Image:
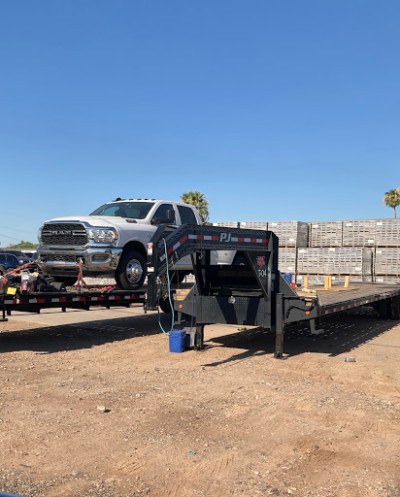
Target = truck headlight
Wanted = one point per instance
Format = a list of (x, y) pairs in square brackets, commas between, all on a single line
[(103, 235)]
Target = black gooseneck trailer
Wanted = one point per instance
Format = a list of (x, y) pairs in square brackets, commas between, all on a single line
[(251, 291)]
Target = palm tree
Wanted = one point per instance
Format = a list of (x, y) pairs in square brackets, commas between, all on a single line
[(199, 201), (392, 199)]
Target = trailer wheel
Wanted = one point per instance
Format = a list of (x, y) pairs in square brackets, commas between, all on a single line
[(178, 277), (2, 270), (131, 271), (239, 260), (382, 308), (394, 308), (165, 306)]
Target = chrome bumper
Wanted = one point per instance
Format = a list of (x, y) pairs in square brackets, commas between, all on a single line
[(66, 262)]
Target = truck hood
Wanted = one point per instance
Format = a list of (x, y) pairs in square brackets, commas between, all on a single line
[(100, 221)]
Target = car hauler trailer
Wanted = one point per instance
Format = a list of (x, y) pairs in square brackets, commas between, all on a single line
[(36, 301), (254, 292), (251, 292)]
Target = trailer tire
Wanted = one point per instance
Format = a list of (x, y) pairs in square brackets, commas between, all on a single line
[(239, 260), (382, 308), (178, 277), (131, 270), (165, 306), (2, 270), (394, 308)]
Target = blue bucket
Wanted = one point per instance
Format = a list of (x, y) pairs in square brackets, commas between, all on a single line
[(288, 277), (177, 341)]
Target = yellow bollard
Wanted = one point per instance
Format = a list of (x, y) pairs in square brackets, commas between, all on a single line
[(346, 281), (305, 283)]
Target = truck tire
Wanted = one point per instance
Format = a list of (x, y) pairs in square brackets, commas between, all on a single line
[(131, 271)]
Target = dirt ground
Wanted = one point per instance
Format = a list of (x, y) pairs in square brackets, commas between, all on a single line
[(102, 408)]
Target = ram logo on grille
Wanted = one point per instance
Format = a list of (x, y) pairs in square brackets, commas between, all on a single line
[(64, 234), (61, 232)]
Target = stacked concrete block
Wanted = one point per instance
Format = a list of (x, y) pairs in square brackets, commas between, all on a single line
[(387, 232), (356, 261), (361, 233), (387, 261), (254, 225), (229, 224), (287, 260), (290, 233), (388, 280), (326, 234), (319, 280), (367, 250)]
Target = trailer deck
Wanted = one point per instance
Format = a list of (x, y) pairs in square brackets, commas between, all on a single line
[(339, 299)]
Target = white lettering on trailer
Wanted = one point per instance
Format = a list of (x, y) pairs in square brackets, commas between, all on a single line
[(225, 237)]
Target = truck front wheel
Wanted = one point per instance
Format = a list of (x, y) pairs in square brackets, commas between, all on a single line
[(131, 271)]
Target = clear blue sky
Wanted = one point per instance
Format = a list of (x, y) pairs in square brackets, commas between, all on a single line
[(275, 110)]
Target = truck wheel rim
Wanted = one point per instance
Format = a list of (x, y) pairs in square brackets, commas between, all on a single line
[(134, 271)]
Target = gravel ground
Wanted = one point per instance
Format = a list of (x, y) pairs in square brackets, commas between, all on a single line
[(94, 404)]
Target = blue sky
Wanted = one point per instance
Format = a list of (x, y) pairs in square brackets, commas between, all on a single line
[(275, 110)]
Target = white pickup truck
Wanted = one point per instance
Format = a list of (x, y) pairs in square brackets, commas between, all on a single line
[(112, 241)]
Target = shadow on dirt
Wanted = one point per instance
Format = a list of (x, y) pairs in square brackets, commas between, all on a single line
[(51, 339), (342, 333)]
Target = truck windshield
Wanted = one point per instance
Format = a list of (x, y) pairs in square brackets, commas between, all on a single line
[(134, 210)]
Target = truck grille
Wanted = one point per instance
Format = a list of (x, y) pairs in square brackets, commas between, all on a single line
[(59, 258), (64, 234)]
